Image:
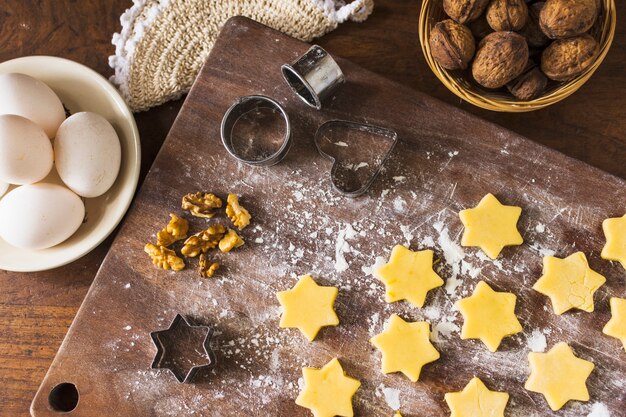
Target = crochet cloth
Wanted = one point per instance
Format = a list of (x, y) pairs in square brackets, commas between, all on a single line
[(163, 43)]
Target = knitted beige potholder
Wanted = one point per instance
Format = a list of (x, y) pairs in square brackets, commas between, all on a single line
[(163, 43)]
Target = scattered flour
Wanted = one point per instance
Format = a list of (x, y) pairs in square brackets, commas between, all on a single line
[(342, 247), (399, 205), (599, 410), (537, 341), (371, 270), (391, 395), (454, 256), (373, 321), (399, 178), (443, 330), (407, 233), (540, 228), (541, 250), (340, 143)]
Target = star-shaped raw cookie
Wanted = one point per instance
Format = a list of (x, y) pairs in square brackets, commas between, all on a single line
[(328, 391), (491, 226), (559, 375), (616, 327), (569, 282), (308, 307), (408, 275), (476, 400), (615, 233), (489, 316), (405, 347)]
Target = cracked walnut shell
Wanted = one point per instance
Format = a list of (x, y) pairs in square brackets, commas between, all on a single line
[(231, 241), (452, 44), (175, 230), (564, 59), (501, 57), (206, 270), (201, 204), (164, 258), (507, 14), (236, 213), (464, 11), (202, 241), (566, 18)]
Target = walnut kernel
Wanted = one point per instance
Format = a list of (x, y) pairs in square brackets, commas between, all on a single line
[(175, 230), (236, 213), (464, 11), (452, 44), (566, 18), (231, 241), (501, 57), (507, 14), (564, 59), (202, 241), (206, 270), (164, 258), (201, 204)]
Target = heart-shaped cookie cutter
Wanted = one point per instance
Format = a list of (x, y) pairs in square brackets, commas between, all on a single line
[(384, 132)]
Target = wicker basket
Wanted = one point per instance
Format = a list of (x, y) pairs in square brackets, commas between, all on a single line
[(460, 84)]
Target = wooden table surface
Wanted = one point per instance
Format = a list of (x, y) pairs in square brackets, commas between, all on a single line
[(37, 309)]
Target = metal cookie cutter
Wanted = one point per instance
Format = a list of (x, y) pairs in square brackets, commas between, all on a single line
[(252, 133), (177, 352), (314, 76), (357, 128)]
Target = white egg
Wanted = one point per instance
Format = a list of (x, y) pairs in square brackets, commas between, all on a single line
[(87, 154), (28, 97), (3, 188), (26, 154), (40, 216)]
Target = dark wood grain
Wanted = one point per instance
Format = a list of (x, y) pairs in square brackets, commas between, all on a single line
[(36, 309)]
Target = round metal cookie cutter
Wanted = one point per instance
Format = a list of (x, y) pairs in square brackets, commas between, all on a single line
[(242, 106), (314, 76)]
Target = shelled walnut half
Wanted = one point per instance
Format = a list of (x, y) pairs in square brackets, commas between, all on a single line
[(236, 213), (175, 230), (231, 241), (201, 204), (207, 270), (164, 258), (202, 241)]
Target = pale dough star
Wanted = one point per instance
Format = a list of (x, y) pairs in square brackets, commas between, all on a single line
[(308, 307), (328, 391), (616, 327), (476, 400), (408, 275), (615, 233), (569, 282), (559, 375), (405, 347), (489, 316), (491, 226)]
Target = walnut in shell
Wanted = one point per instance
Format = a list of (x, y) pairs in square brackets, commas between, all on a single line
[(532, 32), (452, 44), (529, 85), (507, 14), (564, 59), (464, 11), (561, 19), (501, 57)]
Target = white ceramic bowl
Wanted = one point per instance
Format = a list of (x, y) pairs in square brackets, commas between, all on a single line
[(81, 89)]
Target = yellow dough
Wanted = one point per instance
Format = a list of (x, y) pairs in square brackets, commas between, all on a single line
[(328, 391), (616, 327), (488, 315), (397, 414), (559, 375), (408, 275), (476, 400), (615, 233), (308, 307), (405, 347), (491, 226), (569, 282)]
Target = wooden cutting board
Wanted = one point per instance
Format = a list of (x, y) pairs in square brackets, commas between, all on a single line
[(446, 160)]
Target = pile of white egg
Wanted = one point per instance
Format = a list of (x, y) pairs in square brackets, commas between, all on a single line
[(36, 138)]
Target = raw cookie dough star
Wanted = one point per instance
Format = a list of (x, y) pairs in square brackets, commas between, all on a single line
[(405, 347), (616, 327), (328, 391), (408, 275), (615, 233), (559, 375), (308, 307), (491, 226), (489, 316), (476, 400), (569, 282)]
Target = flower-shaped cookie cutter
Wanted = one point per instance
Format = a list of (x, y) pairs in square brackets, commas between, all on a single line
[(170, 344)]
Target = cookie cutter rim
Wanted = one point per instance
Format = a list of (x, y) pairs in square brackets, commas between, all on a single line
[(382, 131), (242, 106), (161, 350), (315, 72)]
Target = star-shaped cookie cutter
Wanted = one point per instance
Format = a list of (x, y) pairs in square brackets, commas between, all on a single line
[(162, 360)]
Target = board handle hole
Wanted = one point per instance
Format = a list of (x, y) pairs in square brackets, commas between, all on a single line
[(64, 397)]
